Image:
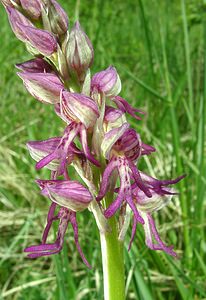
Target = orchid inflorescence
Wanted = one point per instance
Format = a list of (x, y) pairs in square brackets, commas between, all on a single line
[(97, 141)]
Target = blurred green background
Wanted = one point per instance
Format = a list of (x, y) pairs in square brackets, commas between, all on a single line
[(158, 48)]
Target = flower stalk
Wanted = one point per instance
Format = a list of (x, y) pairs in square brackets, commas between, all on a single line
[(112, 259)]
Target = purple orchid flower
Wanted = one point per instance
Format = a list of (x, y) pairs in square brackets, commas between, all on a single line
[(125, 169), (62, 149), (41, 149), (161, 196), (65, 217)]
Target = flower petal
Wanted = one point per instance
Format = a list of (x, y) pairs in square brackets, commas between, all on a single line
[(45, 87), (66, 193), (107, 82), (111, 138), (79, 107)]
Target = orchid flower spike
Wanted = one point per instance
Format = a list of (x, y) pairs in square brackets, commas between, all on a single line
[(97, 139)]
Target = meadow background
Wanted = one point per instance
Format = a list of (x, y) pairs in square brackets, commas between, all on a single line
[(159, 50)]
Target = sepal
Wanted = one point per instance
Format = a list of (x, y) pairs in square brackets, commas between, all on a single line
[(45, 87), (66, 193)]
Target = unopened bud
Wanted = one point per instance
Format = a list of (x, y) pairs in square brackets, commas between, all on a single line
[(58, 18), (79, 50), (32, 8)]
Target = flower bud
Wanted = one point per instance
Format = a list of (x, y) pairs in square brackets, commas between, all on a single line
[(36, 65), (16, 19), (79, 108), (32, 8), (41, 40), (44, 87), (58, 18), (40, 149), (107, 82), (69, 194), (79, 50)]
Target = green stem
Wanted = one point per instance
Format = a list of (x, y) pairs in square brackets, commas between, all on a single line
[(112, 260)]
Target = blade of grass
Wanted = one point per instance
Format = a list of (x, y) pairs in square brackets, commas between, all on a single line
[(142, 287), (147, 37), (176, 142), (188, 62), (201, 162), (144, 85)]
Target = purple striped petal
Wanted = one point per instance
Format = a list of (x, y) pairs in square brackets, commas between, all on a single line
[(111, 138), (69, 194), (79, 108), (130, 144), (39, 149), (43, 41), (36, 65), (17, 19), (32, 8), (112, 114), (44, 87)]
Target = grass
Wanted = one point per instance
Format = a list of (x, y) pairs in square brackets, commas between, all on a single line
[(158, 48)]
